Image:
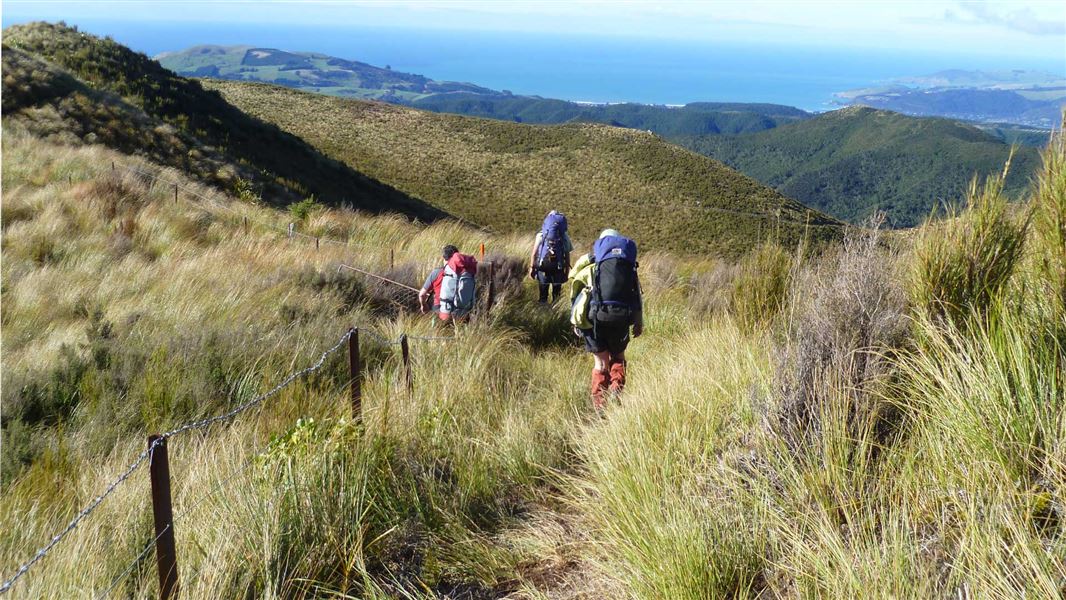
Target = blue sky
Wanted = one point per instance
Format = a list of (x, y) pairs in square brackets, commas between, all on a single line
[(1033, 28)]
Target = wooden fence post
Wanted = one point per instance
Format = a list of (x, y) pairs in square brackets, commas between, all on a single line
[(316, 243), (392, 259), (166, 556), (175, 193), (354, 369), (112, 165), (405, 352), (492, 286), (246, 223)]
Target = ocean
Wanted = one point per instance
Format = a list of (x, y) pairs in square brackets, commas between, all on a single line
[(581, 68)]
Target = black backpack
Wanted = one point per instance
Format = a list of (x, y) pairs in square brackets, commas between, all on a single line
[(615, 293)]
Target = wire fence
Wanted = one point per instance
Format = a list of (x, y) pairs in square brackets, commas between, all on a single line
[(204, 423), (288, 230)]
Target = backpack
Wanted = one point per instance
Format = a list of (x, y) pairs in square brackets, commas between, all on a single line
[(457, 289), (614, 296), (551, 257)]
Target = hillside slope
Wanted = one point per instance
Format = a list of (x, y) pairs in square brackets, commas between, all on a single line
[(507, 175), (288, 168), (854, 161)]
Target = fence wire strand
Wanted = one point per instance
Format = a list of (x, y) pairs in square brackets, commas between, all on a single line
[(207, 422), (143, 456)]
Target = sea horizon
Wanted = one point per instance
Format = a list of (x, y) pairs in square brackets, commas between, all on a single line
[(588, 69)]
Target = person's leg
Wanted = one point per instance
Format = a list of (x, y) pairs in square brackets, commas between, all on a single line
[(601, 379), (618, 372), (542, 284), (617, 342), (557, 290)]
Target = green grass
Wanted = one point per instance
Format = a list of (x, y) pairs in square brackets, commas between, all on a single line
[(507, 176)]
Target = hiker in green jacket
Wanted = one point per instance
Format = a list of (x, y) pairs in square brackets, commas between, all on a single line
[(606, 309)]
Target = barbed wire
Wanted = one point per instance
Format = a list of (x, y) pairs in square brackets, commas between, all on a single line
[(206, 422), (202, 423), (85, 512), (143, 456)]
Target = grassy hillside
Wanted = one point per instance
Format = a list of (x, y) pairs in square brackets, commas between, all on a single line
[(876, 422), (852, 162), (309, 71), (507, 175), (287, 168)]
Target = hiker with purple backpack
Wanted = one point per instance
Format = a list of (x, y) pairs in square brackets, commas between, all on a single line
[(549, 262), (606, 310)]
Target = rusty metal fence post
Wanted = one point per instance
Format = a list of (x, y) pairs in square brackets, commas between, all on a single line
[(166, 555)]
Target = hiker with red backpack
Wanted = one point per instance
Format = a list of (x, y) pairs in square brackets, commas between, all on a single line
[(606, 305), (452, 285), (549, 262)]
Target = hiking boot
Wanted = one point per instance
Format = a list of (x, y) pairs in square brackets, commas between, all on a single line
[(600, 381)]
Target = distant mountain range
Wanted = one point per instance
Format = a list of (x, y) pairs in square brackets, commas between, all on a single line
[(72, 88), (847, 163), (1027, 98)]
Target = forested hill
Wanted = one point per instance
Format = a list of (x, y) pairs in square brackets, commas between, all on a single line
[(851, 162), (697, 118)]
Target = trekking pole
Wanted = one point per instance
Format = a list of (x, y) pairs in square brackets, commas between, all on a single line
[(376, 276)]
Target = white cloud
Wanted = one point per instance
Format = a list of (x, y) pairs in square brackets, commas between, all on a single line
[(1024, 19)]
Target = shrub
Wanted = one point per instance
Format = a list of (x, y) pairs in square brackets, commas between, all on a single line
[(849, 318), (303, 209)]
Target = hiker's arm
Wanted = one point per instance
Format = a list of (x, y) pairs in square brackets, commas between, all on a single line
[(638, 312), (582, 262), (533, 257)]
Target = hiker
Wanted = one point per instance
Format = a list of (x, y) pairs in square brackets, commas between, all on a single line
[(550, 260), (452, 285), (606, 302)]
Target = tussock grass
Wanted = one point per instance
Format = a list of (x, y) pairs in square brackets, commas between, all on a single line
[(807, 433), (964, 262)]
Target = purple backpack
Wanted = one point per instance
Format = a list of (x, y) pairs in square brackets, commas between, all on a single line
[(551, 257)]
